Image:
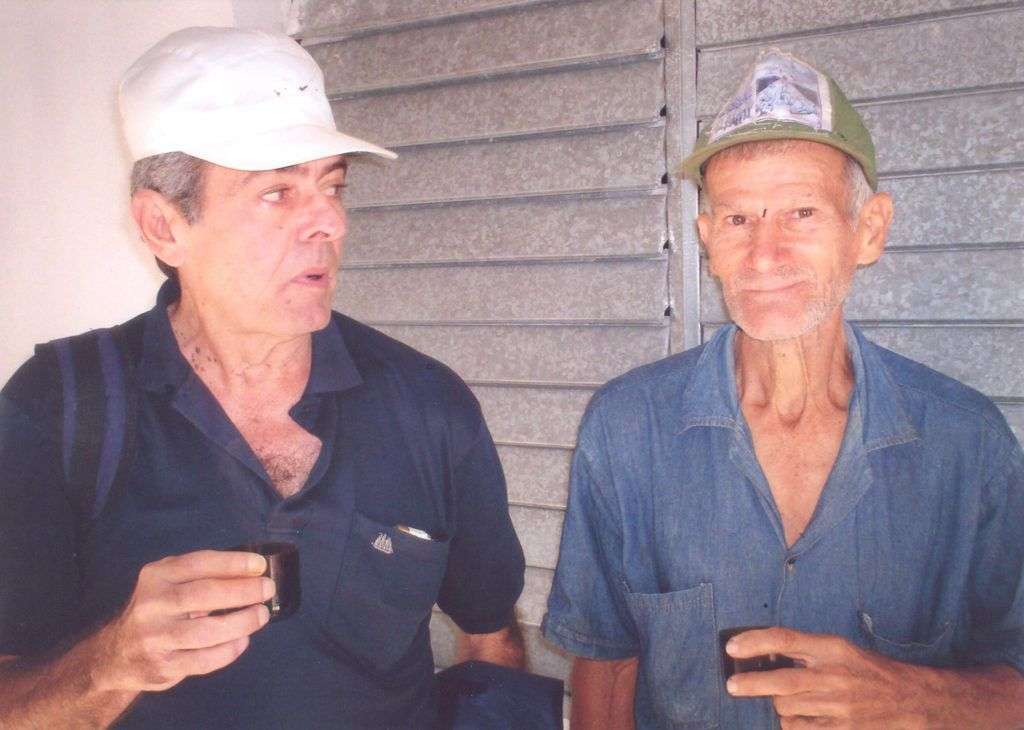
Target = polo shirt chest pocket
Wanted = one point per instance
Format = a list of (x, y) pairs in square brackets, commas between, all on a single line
[(386, 588)]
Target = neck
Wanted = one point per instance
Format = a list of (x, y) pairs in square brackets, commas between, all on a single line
[(792, 379), (229, 359)]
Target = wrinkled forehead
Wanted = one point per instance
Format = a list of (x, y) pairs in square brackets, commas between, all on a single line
[(801, 164)]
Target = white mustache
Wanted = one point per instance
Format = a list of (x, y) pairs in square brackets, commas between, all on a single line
[(777, 279)]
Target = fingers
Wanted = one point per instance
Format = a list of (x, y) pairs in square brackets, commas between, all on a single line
[(774, 682), (212, 631), (206, 564), (811, 649), (211, 594), (203, 661)]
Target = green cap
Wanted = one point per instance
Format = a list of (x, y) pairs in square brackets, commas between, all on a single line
[(784, 98)]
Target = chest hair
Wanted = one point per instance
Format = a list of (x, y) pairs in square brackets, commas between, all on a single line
[(285, 449)]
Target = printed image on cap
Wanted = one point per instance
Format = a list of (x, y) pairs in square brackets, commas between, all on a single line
[(779, 88)]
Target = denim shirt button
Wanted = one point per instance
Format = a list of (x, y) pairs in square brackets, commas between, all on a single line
[(790, 565)]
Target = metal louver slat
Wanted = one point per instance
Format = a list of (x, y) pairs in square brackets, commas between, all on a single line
[(973, 208), (489, 44), (507, 229), (726, 21), (889, 60), (957, 131), (540, 531), (535, 475), (546, 416), (557, 99), (623, 290), (522, 353), (620, 158), (319, 17)]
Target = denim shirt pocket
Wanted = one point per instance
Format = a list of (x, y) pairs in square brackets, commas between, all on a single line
[(679, 654), (386, 589), (932, 650)]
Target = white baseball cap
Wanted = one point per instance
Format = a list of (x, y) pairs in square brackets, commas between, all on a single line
[(243, 99)]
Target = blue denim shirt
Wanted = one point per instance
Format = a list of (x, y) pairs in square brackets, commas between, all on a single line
[(915, 549)]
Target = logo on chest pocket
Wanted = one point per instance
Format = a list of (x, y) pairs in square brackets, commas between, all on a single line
[(382, 543)]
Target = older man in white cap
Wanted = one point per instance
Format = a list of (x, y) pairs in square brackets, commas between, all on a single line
[(839, 528), (241, 410)]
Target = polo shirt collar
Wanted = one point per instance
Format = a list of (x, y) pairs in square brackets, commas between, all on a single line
[(333, 369), (876, 404), (163, 368)]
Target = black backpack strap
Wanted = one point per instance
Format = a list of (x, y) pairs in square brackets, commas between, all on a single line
[(127, 341), (100, 403)]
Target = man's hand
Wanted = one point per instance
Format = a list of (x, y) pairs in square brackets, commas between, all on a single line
[(838, 684), (166, 632)]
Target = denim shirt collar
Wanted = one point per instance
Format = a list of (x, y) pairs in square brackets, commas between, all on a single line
[(164, 369), (878, 416)]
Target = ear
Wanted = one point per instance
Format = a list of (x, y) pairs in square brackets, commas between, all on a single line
[(704, 225), (873, 228), (703, 229), (161, 226)]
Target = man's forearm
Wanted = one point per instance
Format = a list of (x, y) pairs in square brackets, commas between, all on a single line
[(504, 647), (991, 696), (603, 693), (61, 692)]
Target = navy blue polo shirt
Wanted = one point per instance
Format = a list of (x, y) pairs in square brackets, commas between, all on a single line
[(404, 443)]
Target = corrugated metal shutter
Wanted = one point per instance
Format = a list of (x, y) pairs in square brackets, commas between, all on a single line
[(528, 237), (941, 86), (520, 237)]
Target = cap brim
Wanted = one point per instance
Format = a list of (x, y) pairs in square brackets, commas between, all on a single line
[(691, 166), (284, 147)]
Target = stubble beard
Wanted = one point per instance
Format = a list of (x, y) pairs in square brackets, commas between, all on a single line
[(822, 303)]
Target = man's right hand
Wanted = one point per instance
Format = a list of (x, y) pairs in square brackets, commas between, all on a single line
[(166, 632)]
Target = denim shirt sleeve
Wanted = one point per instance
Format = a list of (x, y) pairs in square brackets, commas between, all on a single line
[(586, 614), (996, 584)]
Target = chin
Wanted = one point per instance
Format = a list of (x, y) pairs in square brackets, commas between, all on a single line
[(318, 320), (305, 322), (777, 326)]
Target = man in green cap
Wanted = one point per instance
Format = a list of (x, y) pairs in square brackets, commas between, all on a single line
[(858, 516)]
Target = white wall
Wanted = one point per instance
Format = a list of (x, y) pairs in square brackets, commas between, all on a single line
[(70, 259)]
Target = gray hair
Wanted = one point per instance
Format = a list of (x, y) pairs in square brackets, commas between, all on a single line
[(857, 187), (179, 178)]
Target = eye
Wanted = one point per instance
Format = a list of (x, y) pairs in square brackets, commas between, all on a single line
[(735, 220), (804, 212), (336, 190), (273, 196)]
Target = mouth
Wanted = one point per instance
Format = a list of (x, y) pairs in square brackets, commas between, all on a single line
[(770, 287), (318, 277)]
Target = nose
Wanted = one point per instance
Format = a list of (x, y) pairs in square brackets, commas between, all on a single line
[(325, 219), (765, 246)]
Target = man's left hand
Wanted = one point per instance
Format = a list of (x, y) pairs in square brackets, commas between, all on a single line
[(835, 683)]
